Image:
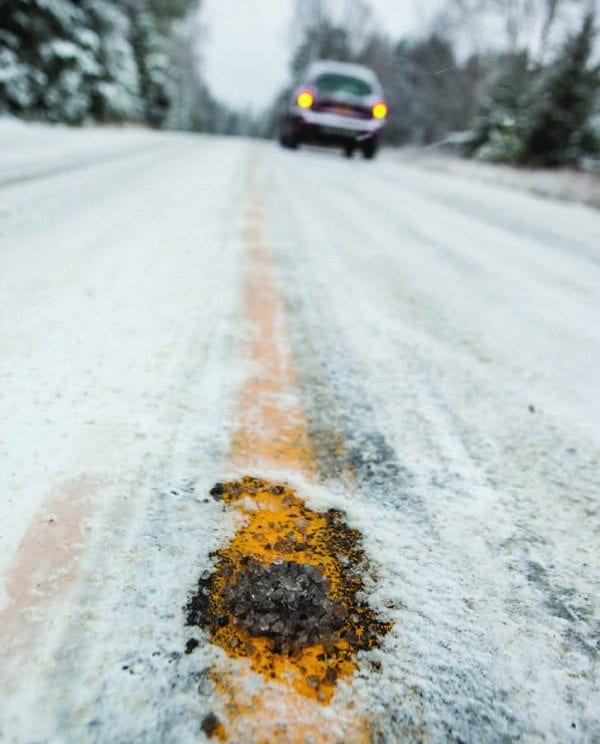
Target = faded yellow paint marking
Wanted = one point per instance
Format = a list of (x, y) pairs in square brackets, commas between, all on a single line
[(272, 430), (277, 714), (42, 572)]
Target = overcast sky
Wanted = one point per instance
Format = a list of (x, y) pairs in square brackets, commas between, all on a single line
[(246, 51)]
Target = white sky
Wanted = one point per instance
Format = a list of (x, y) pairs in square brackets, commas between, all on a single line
[(246, 49)]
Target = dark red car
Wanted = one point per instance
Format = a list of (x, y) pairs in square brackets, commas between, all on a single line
[(336, 104)]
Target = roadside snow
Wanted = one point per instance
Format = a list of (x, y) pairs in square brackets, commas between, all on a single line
[(564, 184), (29, 150)]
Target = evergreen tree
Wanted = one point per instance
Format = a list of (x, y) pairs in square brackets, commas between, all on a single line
[(151, 30), (67, 61), (187, 94), (115, 89), (501, 128), (426, 91), (79, 60), (45, 54), (149, 47), (560, 130)]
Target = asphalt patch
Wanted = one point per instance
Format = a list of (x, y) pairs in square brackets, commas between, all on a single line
[(285, 601), (287, 592)]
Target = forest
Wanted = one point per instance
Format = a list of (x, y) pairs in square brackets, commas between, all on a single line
[(514, 81)]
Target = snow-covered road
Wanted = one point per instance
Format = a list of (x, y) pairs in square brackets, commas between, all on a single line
[(415, 350)]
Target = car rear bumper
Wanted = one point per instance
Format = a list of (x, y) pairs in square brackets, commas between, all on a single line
[(334, 128)]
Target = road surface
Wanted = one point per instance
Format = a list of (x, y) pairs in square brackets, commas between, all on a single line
[(386, 376)]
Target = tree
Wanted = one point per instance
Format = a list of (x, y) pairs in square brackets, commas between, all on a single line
[(560, 131), (66, 61), (501, 128), (429, 92), (115, 88), (79, 60), (510, 26), (318, 34), (151, 26)]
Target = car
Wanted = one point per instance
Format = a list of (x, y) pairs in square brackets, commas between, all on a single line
[(338, 104)]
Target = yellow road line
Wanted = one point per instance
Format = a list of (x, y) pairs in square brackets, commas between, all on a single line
[(282, 695), (272, 430)]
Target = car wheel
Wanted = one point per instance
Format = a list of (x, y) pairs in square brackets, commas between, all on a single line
[(369, 149), (348, 151), (289, 140), (290, 144)]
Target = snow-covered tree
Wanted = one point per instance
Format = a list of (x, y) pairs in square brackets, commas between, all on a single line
[(501, 128), (567, 99), (63, 60), (79, 60), (185, 88), (41, 62), (115, 91), (152, 29)]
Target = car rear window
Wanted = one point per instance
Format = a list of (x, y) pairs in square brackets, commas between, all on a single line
[(351, 86)]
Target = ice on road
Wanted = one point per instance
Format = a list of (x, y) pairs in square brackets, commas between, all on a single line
[(433, 343)]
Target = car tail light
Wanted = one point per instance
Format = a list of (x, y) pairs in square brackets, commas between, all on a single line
[(379, 110), (305, 98)]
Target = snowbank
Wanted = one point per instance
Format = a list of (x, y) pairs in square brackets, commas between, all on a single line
[(565, 184)]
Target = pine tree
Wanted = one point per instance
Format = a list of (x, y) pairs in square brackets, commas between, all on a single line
[(149, 51), (502, 126), (45, 55), (560, 132), (186, 91), (115, 89), (80, 60), (151, 27), (67, 61)]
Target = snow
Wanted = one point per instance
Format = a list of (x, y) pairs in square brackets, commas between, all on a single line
[(452, 307), (30, 151), (445, 327), (64, 398), (563, 184)]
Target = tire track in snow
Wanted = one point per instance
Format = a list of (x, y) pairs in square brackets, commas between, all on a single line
[(454, 690), (301, 239), (573, 606), (61, 168)]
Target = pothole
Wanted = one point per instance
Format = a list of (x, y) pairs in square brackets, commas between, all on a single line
[(287, 593)]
